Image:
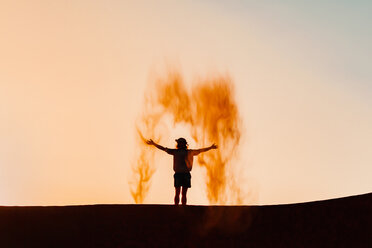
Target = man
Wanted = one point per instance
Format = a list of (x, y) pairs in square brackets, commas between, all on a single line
[(182, 165)]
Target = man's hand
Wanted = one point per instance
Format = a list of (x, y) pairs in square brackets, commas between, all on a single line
[(151, 142), (214, 146)]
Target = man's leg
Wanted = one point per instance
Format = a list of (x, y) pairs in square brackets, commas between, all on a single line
[(177, 195), (184, 192)]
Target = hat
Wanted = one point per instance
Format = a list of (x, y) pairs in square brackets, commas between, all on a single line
[(181, 141)]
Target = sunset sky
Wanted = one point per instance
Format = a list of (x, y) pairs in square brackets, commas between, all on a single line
[(73, 76)]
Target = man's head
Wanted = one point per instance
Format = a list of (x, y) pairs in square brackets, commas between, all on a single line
[(181, 143)]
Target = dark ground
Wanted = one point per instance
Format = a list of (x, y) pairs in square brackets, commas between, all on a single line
[(345, 222)]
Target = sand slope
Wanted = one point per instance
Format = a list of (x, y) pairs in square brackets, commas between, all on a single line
[(344, 222)]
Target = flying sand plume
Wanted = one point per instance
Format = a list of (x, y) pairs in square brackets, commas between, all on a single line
[(211, 114), (143, 168)]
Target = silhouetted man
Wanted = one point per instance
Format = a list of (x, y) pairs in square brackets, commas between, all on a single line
[(182, 165)]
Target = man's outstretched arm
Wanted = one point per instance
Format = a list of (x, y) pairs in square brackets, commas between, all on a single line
[(151, 142), (214, 146)]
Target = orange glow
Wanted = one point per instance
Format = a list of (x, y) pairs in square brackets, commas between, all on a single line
[(72, 81)]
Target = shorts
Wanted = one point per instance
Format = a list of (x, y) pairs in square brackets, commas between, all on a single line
[(182, 179)]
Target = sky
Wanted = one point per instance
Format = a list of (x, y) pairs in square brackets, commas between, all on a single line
[(73, 76)]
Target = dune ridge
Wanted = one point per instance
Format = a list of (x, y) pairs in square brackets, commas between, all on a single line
[(342, 222)]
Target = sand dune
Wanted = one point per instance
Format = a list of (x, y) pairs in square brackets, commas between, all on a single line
[(344, 222)]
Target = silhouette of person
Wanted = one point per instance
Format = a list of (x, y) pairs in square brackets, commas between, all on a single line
[(182, 165)]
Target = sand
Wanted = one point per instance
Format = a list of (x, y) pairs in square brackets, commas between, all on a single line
[(344, 222)]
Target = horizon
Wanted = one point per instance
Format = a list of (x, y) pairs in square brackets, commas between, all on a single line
[(194, 205)]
